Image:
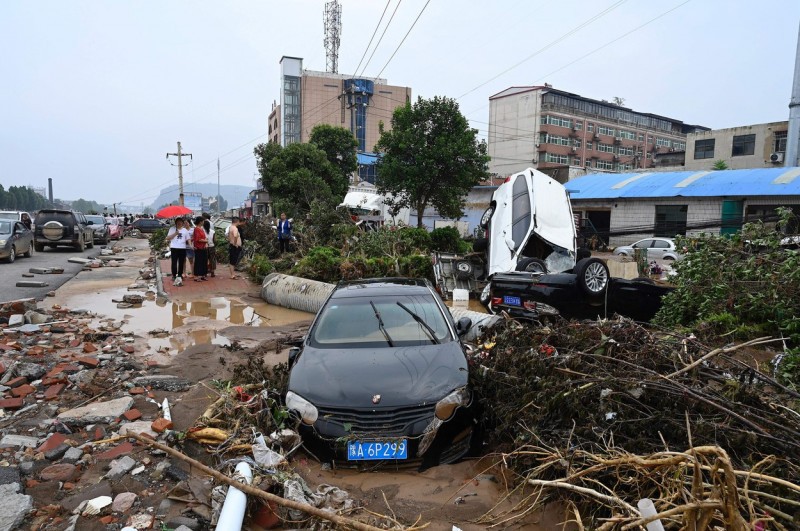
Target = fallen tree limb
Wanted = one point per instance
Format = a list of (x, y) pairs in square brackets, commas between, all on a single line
[(252, 491), (717, 351), (589, 492)]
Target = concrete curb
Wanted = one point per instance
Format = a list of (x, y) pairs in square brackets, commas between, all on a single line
[(160, 293)]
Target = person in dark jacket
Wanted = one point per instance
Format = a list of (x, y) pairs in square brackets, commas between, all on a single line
[(284, 233)]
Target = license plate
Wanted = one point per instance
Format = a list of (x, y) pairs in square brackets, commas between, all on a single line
[(512, 301), (365, 451)]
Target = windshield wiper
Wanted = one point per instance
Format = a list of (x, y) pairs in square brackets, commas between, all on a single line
[(380, 324), (424, 325)]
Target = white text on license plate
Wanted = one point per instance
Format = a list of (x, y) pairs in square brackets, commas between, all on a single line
[(364, 451), (512, 301)]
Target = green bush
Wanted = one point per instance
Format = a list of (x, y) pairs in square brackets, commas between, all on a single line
[(417, 266), (448, 240), (321, 263), (412, 240), (260, 267), (158, 240)]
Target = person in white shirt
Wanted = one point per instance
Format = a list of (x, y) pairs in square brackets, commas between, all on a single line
[(179, 239), (212, 255)]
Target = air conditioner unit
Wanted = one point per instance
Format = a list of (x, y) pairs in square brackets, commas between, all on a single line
[(574, 149), (672, 149), (776, 157), (618, 139)]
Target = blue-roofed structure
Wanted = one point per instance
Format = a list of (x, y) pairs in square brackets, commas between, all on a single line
[(620, 208)]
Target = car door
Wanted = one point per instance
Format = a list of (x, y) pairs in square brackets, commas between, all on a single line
[(659, 248), (24, 237)]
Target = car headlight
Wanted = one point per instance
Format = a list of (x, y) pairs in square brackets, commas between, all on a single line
[(308, 411), (3, 242), (448, 405)]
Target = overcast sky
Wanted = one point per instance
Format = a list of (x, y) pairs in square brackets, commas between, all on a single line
[(95, 93)]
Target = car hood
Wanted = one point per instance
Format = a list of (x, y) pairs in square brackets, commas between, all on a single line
[(401, 375)]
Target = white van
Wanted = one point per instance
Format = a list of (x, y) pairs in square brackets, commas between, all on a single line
[(530, 226)]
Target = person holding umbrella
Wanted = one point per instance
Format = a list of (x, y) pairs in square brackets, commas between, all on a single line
[(178, 238), (200, 243)]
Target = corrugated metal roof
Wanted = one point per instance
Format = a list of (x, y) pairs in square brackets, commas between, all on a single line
[(755, 182)]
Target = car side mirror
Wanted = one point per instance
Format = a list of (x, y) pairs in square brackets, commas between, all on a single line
[(463, 325), (294, 352), (90, 222)]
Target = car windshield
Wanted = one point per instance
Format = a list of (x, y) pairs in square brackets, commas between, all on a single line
[(65, 218), (5, 227), (9, 215), (97, 220), (113, 221), (352, 322)]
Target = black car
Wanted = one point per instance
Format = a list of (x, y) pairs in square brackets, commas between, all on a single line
[(382, 376), (54, 227), (15, 239), (146, 225), (101, 233), (587, 291)]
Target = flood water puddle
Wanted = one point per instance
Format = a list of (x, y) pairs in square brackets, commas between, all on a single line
[(187, 322)]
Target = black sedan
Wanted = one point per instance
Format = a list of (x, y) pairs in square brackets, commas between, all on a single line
[(587, 291), (15, 239), (148, 226), (382, 377)]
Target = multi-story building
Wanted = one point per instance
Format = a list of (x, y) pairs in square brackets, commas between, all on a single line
[(553, 130), (309, 98), (746, 147)]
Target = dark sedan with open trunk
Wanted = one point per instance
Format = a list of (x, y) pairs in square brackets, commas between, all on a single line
[(382, 376)]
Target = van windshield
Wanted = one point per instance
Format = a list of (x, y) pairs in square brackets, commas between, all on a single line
[(5, 227), (9, 215)]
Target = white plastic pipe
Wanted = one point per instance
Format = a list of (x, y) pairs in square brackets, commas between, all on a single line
[(647, 509), (232, 514)]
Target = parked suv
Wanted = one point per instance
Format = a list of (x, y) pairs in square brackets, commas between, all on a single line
[(62, 227)]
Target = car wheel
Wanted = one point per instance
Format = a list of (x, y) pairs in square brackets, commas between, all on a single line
[(487, 217), (90, 244), (39, 247), (463, 269), (669, 257), (623, 254), (593, 276), (582, 253), (485, 297), (12, 255), (107, 240), (532, 265), (81, 246), (480, 245), (29, 252)]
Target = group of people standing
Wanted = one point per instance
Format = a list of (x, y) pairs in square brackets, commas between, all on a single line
[(192, 243)]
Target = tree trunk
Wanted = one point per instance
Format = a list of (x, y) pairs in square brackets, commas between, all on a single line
[(420, 212)]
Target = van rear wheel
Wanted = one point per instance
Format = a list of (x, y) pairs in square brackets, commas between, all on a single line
[(532, 265)]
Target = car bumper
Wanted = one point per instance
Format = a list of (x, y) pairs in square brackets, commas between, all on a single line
[(45, 241)]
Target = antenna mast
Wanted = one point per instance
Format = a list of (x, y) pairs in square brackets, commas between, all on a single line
[(332, 19)]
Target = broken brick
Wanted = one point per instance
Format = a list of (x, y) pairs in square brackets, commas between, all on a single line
[(35, 351), (160, 425), (16, 382), (89, 347), (11, 403), (115, 452), (75, 343), (91, 363), (53, 391), (137, 390), (106, 519), (128, 348), (23, 390), (53, 381), (54, 441), (132, 414)]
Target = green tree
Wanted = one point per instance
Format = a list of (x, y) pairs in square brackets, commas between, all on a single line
[(223, 203), (339, 145), (430, 157), (298, 175), (719, 165)]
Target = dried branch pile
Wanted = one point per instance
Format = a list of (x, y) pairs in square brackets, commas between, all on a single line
[(595, 412)]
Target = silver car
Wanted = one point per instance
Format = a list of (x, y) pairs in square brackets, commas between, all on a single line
[(657, 249)]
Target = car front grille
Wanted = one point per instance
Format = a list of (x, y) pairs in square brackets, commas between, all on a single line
[(386, 422)]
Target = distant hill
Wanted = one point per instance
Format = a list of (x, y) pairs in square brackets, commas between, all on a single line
[(234, 194)]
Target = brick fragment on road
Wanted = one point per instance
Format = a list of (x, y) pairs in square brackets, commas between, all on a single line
[(31, 284)]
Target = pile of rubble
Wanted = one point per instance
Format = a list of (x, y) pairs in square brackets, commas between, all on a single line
[(71, 395)]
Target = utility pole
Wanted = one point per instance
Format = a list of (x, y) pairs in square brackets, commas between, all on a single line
[(180, 169), (793, 138), (115, 209), (219, 196)]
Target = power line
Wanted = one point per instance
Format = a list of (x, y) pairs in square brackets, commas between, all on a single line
[(404, 38), (549, 45), (381, 37), (378, 25)]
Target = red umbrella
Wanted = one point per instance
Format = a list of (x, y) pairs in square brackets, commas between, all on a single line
[(172, 211)]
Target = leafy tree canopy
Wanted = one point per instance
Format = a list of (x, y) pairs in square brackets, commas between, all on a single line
[(87, 207), (430, 157), (299, 174), (339, 145), (21, 198)]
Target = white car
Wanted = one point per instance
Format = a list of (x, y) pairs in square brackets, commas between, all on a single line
[(657, 249), (530, 226), (16, 215)]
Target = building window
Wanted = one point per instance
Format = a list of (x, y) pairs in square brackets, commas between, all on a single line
[(641, 137), (743, 145), (578, 125), (670, 220), (606, 148), (576, 161), (603, 130), (588, 163), (589, 146), (663, 142), (628, 151), (590, 128), (576, 143), (546, 138), (780, 141), (627, 135), (556, 120), (623, 167), (681, 146), (604, 165), (704, 149), (558, 159), (649, 139)]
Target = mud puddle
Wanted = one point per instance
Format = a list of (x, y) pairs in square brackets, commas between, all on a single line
[(184, 323)]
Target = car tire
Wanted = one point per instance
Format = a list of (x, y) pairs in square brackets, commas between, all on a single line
[(669, 257), (463, 269), (622, 253), (487, 217), (107, 240), (81, 246), (29, 252), (39, 247), (480, 245), (12, 255), (582, 253), (485, 298), (532, 265), (592, 276)]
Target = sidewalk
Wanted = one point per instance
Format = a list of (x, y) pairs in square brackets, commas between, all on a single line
[(218, 285)]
